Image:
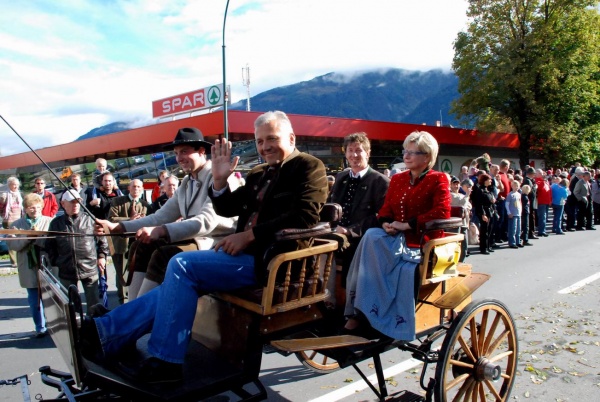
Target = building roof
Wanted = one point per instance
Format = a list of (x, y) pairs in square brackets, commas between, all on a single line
[(150, 139)]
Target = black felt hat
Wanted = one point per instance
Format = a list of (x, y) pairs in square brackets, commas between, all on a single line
[(189, 136)]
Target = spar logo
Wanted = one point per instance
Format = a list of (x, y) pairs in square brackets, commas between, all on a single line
[(190, 101)]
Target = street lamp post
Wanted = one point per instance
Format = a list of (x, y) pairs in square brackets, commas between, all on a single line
[(225, 94)]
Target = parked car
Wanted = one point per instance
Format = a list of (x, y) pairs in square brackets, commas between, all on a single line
[(158, 155), (136, 173), (138, 160), (168, 162), (120, 163)]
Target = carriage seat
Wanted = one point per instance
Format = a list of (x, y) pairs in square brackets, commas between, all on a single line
[(305, 282)]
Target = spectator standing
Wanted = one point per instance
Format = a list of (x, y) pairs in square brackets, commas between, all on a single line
[(77, 186), (483, 207), (159, 189), (571, 205), (529, 179), (503, 190), (560, 193), (526, 211), (29, 257), (514, 209), (50, 204), (170, 185), (596, 198), (11, 209), (461, 200), (583, 194), (98, 201), (544, 200), (78, 258)]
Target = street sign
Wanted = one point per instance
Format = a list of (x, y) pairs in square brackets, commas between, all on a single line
[(190, 101)]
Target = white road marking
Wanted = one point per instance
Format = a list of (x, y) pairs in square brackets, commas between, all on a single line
[(360, 385), (580, 284)]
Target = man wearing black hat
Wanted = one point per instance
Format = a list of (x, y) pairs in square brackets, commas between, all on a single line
[(186, 222)]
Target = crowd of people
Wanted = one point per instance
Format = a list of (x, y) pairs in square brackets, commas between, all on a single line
[(77, 259), (211, 233), (513, 206)]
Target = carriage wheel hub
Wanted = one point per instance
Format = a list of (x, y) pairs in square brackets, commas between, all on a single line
[(486, 370)]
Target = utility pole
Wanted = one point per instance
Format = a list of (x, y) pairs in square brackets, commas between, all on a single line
[(246, 83)]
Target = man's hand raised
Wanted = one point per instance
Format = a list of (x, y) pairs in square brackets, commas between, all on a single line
[(222, 164)]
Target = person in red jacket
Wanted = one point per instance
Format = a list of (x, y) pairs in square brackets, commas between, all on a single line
[(50, 205), (544, 199)]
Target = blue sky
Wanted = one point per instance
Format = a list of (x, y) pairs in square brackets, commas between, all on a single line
[(69, 66)]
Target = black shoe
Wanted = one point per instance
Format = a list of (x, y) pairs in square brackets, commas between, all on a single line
[(491, 250), (520, 245), (579, 228), (97, 310), (153, 371), (512, 246), (590, 228), (41, 334), (527, 244), (485, 252), (494, 246), (91, 347), (543, 234), (532, 236), (571, 230)]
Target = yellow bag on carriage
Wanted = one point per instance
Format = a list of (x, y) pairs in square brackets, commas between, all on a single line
[(445, 259)]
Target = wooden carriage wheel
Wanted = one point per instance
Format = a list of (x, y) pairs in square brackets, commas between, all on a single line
[(478, 358), (317, 362)]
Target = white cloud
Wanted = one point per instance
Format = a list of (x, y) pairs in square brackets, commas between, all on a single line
[(71, 66)]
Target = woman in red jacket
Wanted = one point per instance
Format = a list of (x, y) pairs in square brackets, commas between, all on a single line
[(544, 200)]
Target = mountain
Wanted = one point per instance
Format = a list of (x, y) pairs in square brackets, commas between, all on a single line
[(390, 95), (394, 95), (106, 129)]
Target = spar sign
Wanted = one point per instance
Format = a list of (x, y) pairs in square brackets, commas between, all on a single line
[(195, 100)]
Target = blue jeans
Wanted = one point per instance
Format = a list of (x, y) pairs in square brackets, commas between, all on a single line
[(557, 218), (542, 215), (169, 310), (37, 309), (514, 230)]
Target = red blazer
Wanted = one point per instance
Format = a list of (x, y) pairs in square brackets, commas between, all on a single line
[(427, 199)]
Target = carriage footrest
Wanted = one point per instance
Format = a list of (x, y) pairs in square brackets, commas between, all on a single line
[(453, 297), (327, 342)]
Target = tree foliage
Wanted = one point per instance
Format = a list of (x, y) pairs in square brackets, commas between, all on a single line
[(533, 67)]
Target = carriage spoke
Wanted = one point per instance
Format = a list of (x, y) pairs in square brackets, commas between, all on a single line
[(474, 337), (492, 331), (455, 362), (493, 390), (457, 381), (481, 392), (462, 392), (482, 332), (498, 341), (466, 348), (501, 356)]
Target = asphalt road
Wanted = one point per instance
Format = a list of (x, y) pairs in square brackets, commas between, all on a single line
[(557, 327)]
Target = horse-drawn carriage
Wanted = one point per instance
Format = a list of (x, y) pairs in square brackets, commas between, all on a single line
[(472, 343)]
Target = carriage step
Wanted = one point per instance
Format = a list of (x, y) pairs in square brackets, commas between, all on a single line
[(405, 396), (453, 297), (327, 342)]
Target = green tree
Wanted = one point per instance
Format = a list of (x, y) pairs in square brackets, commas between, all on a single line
[(533, 67)]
